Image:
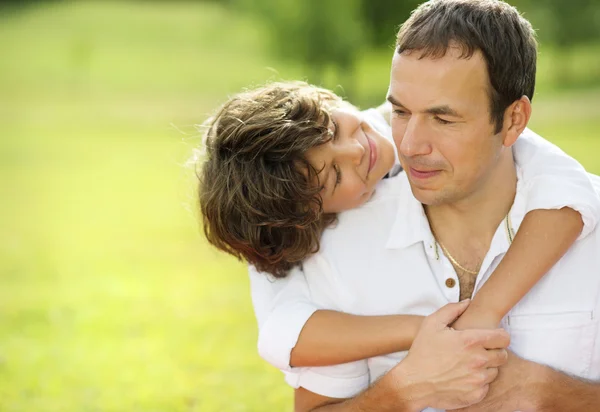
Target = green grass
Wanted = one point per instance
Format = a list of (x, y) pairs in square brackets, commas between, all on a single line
[(109, 298)]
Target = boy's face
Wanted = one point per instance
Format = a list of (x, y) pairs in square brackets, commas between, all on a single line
[(352, 162)]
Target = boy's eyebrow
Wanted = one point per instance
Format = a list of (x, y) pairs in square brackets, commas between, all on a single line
[(335, 174), (326, 171), (327, 174), (442, 110)]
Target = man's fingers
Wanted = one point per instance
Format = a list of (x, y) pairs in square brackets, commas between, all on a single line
[(490, 375), (449, 313), (497, 339), (489, 339), (496, 358)]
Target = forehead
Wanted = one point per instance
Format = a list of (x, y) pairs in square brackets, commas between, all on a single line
[(333, 106), (419, 83)]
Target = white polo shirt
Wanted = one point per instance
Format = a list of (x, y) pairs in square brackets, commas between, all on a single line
[(394, 269), (381, 259)]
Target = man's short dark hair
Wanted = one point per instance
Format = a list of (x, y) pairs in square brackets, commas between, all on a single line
[(505, 39)]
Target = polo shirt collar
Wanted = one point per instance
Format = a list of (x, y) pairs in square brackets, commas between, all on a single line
[(411, 225)]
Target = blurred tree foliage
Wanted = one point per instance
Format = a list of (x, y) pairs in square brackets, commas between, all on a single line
[(321, 35), (384, 17), (330, 34), (327, 36), (564, 25)]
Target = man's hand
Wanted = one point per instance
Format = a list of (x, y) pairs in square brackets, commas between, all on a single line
[(510, 392), (446, 368)]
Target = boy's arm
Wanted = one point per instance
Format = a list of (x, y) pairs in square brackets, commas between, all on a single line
[(543, 238), (562, 205), (331, 338), (444, 369), (553, 180), (294, 332)]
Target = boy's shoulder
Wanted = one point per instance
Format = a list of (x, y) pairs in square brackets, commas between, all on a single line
[(595, 182), (377, 120), (375, 218)]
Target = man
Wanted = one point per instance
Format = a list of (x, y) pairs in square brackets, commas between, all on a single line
[(462, 79)]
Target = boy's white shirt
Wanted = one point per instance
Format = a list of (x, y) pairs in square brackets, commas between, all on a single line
[(549, 179)]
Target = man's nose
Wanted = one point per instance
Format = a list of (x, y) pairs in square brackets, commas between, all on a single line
[(415, 141)]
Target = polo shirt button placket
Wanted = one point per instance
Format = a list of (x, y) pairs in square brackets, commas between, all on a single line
[(452, 292)]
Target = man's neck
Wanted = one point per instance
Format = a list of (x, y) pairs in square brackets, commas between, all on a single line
[(472, 221)]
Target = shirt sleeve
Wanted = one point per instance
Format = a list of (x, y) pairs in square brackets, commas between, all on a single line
[(553, 180), (338, 381), (282, 307)]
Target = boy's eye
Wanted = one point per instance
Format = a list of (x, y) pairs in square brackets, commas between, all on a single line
[(338, 175)]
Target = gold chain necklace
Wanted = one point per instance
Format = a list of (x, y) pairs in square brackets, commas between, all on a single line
[(454, 262), (509, 233)]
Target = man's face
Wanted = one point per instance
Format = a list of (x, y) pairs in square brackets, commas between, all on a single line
[(441, 124)]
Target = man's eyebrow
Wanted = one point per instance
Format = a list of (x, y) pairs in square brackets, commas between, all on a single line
[(443, 110), (393, 101)]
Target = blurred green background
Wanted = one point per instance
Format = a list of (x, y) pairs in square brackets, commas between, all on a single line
[(110, 300)]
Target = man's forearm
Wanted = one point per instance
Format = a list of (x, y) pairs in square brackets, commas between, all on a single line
[(388, 394), (561, 392), (372, 400)]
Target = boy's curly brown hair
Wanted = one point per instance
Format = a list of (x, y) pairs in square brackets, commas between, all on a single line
[(257, 192)]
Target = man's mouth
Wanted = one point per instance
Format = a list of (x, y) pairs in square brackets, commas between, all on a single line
[(422, 173)]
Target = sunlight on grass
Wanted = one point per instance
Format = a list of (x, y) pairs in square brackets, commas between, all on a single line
[(110, 298)]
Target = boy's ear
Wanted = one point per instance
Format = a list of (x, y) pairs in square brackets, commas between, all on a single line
[(516, 117)]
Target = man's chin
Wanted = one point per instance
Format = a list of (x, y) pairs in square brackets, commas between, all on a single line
[(427, 196)]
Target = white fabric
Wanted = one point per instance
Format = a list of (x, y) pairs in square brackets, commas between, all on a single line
[(283, 306), (394, 269), (553, 180)]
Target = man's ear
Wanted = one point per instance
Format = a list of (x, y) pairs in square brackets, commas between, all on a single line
[(516, 117)]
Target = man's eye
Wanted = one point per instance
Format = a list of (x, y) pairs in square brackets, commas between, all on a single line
[(399, 112), (442, 121)]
